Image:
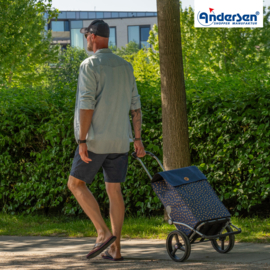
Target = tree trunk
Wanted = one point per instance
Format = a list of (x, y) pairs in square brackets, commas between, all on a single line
[(174, 113), (173, 94)]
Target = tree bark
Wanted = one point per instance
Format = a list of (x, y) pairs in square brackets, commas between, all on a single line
[(174, 113), (173, 94)]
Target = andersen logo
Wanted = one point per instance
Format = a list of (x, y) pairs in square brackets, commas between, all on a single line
[(211, 18)]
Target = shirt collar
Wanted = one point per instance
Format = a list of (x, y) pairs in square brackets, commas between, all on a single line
[(106, 50)]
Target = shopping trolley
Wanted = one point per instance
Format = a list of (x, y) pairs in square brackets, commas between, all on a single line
[(194, 208)]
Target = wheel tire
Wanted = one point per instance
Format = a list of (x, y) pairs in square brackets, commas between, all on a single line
[(217, 245), (181, 244)]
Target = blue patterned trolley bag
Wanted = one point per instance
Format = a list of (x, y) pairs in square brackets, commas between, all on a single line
[(190, 196), (194, 208)]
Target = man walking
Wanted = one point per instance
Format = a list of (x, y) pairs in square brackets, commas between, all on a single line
[(106, 93)]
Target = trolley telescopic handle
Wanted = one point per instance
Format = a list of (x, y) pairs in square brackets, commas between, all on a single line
[(149, 154)]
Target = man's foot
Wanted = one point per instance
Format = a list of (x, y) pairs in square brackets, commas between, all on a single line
[(113, 253), (103, 237), (99, 247)]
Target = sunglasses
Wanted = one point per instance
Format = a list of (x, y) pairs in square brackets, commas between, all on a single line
[(87, 34)]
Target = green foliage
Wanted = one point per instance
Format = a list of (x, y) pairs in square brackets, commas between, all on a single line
[(147, 74), (226, 77), (25, 45), (37, 147), (229, 139), (128, 52), (228, 112), (215, 52), (145, 70), (219, 51), (153, 51), (64, 74)]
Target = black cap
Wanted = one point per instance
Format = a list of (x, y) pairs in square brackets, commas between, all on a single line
[(97, 27)]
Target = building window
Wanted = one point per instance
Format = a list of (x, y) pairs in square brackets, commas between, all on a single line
[(66, 26), (144, 36), (57, 26), (76, 24), (99, 14), (140, 14), (92, 15), (76, 35), (71, 15), (107, 15), (134, 34), (115, 15), (131, 14), (76, 38), (83, 15), (139, 34), (112, 38), (62, 15), (123, 14)]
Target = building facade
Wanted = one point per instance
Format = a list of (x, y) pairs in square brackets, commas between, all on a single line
[(124, 27)]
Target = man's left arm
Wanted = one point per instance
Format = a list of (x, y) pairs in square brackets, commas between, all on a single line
[(87, 88), (85, 123)]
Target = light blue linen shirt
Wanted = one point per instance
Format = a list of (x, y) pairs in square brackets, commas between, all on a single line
[(106, 85)]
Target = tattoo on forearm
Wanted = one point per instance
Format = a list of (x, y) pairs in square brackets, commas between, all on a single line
[(137, 119)]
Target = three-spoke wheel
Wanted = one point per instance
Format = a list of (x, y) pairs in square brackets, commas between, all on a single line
[(224, 244), (178, 246)]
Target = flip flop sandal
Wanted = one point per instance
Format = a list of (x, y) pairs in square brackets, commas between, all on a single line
[(99, 247), (107, 256)]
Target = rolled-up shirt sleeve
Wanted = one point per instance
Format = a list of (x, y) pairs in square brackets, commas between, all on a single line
[(135, 100), (87, 88)]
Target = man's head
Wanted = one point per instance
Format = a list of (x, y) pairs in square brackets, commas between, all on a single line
[(97, 35)]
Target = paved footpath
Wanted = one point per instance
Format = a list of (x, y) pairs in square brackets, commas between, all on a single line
[(69, 253)]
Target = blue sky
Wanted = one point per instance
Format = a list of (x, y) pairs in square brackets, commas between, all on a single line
[(117, 5)]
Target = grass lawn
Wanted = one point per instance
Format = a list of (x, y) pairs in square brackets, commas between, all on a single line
[(254, 230)]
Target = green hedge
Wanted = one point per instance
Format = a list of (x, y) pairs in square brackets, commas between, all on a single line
[(228, 129), (229, 141), (37, 147)]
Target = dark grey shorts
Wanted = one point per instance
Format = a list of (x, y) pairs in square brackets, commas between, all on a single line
[(114, 167)]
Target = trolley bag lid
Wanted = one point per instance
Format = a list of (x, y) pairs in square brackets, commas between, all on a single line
[(181, 176)]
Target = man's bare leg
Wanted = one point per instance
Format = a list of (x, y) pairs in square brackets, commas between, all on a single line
[(117, 213), (90, 206)]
